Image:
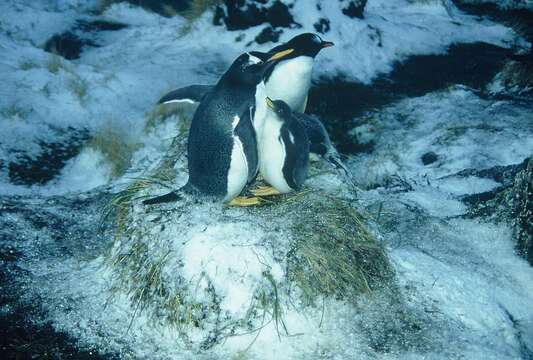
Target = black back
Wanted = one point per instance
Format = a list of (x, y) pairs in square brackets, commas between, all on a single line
[(319, 140)]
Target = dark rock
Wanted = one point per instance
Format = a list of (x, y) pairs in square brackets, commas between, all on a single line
[(268, 35), (354, 9), (429, 158), (523, 211), (511, 203), (67, 45), (279, 16), (241, 14), (70, 44), (100, 25), (520, 19), (322, 25), (47, 165)]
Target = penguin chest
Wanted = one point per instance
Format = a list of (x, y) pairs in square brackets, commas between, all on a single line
[(238, 172), (290, 81), (260, 112), (272, 156)]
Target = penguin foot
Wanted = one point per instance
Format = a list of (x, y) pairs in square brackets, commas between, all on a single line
[(245, 201), (265, 191)]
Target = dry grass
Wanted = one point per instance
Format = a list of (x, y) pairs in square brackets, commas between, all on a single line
[(54, 64), (15, 112), (78, 87), (28, 65), (160, 113), (117, 149)]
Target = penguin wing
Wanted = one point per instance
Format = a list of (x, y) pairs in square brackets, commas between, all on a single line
[(319, 141), (190, 94)]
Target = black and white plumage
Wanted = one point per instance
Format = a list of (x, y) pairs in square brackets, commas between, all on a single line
[(222, 145), (189, 94), (284, 142), (289, 80)]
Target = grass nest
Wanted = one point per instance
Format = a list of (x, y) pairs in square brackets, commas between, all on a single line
[(325, 249)]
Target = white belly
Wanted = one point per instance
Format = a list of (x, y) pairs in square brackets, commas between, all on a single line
[(290, 81), (260, 110), (238, 170), (272, 156)]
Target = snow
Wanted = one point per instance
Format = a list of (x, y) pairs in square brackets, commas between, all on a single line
[(459, 278)]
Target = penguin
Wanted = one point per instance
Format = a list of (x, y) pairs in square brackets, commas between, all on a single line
[(289, 80), (285, 146), (222, 144)]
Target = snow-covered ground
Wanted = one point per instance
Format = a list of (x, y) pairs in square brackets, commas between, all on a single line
[(467, 294)]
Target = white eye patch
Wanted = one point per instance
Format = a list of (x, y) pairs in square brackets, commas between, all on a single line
[(253, 60)]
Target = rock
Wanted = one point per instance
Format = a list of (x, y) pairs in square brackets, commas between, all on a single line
[(354, 8), (241, 14), (322, 25), (268, 35), (511, 203), (429, 158), (523, 211), (70, 44), (515, 78), (30, 170)]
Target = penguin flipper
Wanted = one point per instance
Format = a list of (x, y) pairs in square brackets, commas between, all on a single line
[(170, 197), (319, 142), (189, 94)]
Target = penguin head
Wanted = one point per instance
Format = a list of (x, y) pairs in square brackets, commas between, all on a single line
[(250, 67), (280, 107), (306, 44)]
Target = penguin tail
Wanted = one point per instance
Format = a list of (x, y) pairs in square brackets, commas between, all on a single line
[(173, 196), (170, 197)]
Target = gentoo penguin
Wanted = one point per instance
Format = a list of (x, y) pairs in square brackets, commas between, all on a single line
[(286, 147), (222, 146), (289, 80)]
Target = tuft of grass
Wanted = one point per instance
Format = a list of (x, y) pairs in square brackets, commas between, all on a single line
[(54, 64), (78, 87), (116, 149), (198, 7), (334, 255), (15, 112), (28, 65), (160, 113)]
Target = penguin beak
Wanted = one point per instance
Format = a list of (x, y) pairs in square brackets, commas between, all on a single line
[(280, 54), (270, 103), (326, 44)]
